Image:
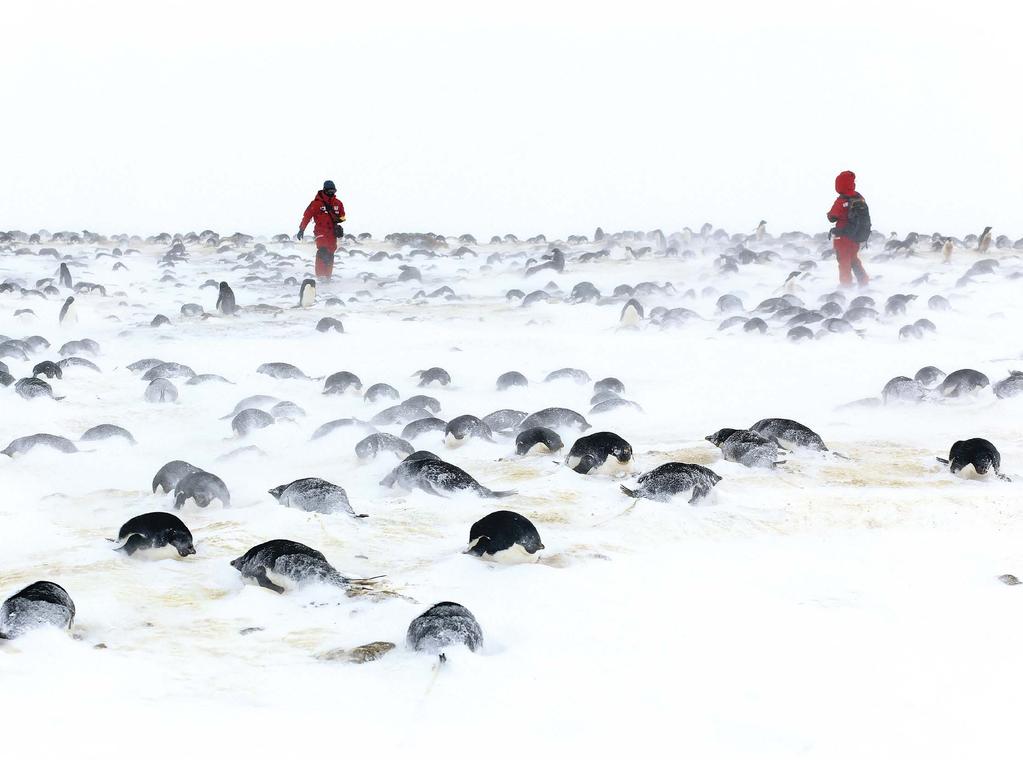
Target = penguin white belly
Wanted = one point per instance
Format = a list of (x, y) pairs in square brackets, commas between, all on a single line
[(630, 317), (513, 555), (167, 551)]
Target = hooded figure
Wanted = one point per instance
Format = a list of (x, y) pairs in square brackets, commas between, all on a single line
[(846, 249), (327, 213)]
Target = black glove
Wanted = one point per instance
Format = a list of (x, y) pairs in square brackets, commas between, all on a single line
[(339, 231), (833, 232), (300, 235)]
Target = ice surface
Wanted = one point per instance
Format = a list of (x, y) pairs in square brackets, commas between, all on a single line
[(832, 608)]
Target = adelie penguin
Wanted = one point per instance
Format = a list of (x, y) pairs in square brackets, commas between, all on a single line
[(537, 440), (745, 447), (444, 625), (307, 294), (156, 535), (64, 276), (225, 300), (39, 605), (974, 458), (201, 488), (425, 471), (673, 479), (281, 565), (600, 453), (313, 495), (68, 312), (505, 537)]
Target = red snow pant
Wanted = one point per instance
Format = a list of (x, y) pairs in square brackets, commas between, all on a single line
[(325, 247), (849, 261)]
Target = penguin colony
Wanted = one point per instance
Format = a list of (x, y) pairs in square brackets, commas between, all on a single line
[(62, 286)]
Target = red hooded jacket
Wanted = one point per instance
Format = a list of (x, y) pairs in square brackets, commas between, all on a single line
[(317, 210), (845, 184)]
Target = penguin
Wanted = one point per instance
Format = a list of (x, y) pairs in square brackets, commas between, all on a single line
[(608, 384), (464, 427), (26, 443), (504, 421), (282, 371), (511, 380), (432, 475), (313, 495), (423, 426), (168, 476), (307, 293), (760, 231), (376, 443), (68, 312), (341, 382), (379, 391), (946, 251), (963, 382), (202, 488), (105, 432), (282, 565), (38, 605), (631, 314), (64, 276), (156, 535), (974, 458), (537, 440), (556, 417), (225, 300), (445, 624), (505, 537), (984, 242), (1010, 386), (788, 434), (34, 388), (161, 391), (48, 369), (600, 452), (745, 447), (434, 375), (249, 420), (673, 478)]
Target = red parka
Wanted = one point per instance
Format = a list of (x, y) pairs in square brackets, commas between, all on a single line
[(845, 185), (323, 225)]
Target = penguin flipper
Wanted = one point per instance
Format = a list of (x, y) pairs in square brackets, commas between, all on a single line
[(265, 582), (634, 495)]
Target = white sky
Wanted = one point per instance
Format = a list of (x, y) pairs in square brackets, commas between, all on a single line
[(549, 117)]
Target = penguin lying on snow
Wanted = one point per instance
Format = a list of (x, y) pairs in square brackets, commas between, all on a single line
[(281, 565), (674, 478), (443, 625), (427, 472), (156, 535), (600, 452), (313, 495), (975, 457), (745, 447), (505, 537), (39, 605), (537, 440)]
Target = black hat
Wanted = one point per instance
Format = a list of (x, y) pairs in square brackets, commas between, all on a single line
[(329, 185)]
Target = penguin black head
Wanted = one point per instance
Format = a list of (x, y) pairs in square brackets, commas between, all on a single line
[(720, 436), (182, 542), (622, 452), (276, 491)]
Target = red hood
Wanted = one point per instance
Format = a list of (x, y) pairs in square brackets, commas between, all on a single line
[(845, 183)]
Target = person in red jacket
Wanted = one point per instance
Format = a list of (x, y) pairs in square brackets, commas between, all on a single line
[(327, 213), (846, 249)]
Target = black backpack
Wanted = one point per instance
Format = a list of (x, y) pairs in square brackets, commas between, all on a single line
[(857, 226)]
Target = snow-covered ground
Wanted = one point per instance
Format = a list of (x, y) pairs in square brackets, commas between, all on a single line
[(831, 608)]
